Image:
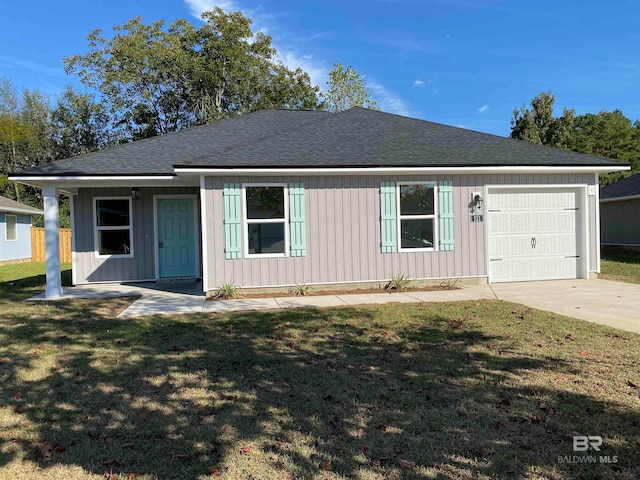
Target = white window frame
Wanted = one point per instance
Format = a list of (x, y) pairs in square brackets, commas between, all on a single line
[(96, 228), (433, 217), (6, 227), (247, 221)]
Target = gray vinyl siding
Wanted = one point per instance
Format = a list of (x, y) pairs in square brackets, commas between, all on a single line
[(343, 232), (619, 223), (141, 266)]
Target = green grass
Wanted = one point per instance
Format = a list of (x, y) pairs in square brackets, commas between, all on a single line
[(621, 265), (464, 390)]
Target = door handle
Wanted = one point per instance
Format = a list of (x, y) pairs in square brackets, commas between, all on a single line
[(533, 242)]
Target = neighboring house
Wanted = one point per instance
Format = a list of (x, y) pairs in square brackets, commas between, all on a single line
[(620, 212), (285, 197), (15, 231)]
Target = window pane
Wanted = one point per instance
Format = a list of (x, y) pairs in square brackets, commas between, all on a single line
[(416, 199), (112, 213), (114, 242), (266, 237), (416, 233), (12, 231), (265, 202)]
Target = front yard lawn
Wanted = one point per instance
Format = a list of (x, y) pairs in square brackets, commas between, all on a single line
[(620, 265), (463, 390)]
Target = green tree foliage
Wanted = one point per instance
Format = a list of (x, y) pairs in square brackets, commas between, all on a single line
[(78, 125), (155, 80), (538, 125), (24, 137), (606, 134), (346, 89)]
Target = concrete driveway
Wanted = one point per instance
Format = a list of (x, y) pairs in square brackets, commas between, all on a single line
[(616, 304)]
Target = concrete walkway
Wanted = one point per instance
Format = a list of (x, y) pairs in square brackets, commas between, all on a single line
[(159, 304), (615, 304)]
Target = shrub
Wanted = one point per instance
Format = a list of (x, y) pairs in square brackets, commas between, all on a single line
[(398, 282)]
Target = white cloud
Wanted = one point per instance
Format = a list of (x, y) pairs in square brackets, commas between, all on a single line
[(317, 70), (483, 108), (387, 100), (9, 62), (418, 83), (197, 7)]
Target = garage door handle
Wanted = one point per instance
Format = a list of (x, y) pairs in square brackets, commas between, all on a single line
[(495, 259), (533, 242), (572, 256)]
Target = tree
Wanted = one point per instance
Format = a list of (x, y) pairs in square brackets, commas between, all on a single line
[(538, 125), (346, 89), (155, 80), (24, 137), (79, 125), (606, 134)]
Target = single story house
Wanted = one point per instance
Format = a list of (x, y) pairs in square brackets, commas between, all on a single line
[(15, 231), (286, 197), (620, 212)]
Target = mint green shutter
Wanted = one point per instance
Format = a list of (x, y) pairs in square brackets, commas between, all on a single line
[(232, 221), (445, 198), (388, 217), (297, 227)]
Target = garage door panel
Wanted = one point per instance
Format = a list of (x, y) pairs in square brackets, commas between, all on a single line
[(527, 268), (510, 222), (560, 244), (532, 234)]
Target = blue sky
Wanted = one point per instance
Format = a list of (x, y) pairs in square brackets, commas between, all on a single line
[(466, 63)]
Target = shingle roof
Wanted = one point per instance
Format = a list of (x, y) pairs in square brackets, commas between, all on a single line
[(288, 138), (11, 206), (623, 188)]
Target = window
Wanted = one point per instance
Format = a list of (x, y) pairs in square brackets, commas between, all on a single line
[(11, 232), (113, 226), (265, 220), (417, 216)]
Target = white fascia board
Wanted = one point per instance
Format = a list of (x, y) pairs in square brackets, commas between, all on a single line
[(85, 178), (21, 211), (396, 170), (620, 199)]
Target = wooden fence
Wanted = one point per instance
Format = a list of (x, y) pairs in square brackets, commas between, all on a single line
[(38, 245)]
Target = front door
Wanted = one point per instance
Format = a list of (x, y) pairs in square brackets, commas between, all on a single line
[(176, 237)]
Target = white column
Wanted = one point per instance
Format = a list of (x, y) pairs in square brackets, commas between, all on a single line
[(52, 242)]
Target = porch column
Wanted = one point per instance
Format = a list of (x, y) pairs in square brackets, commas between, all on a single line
[(52, 242)]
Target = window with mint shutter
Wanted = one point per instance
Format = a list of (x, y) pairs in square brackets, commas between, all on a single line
[(232, 221), (445, 188), (388, 217), (298, 236)]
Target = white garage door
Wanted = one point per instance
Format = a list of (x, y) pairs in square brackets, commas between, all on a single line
[(532, 234)]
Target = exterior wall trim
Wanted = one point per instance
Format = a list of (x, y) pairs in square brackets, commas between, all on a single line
[(74, 257), (196, 219), (582, 232), (204, 218), (620, 199)]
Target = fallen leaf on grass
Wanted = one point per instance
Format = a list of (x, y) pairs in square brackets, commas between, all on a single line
[(60, 449), (245, 449), (364, 448), (326, 465), (4, 360), (132, 476), (408, 464), (382, 426), (113, 462), (631, 384), (180, 456), (584, 353), (215, 471), (46, 449)]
